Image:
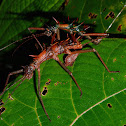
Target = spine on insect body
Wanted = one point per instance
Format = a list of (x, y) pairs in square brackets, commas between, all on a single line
[(50, 53)]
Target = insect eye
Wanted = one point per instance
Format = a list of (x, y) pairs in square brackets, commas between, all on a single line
[(2, 109)]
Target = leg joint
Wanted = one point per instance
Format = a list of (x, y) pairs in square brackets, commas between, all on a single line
[(94, 50)]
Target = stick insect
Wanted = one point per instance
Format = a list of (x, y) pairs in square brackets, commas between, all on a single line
[(70, 28), (67, 27), (52, 52)]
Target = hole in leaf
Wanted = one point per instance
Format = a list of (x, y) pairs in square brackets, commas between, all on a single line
[(94, 22), (44, 92), (104, 9), (10, 97), (48, 82), (92, 16), (111, 14), (114, 59), (58, 117), (109, 105), (119, 28), (124, 125), (57, 83), (107, 17), (2, 109), (1, 103), (112, 79)]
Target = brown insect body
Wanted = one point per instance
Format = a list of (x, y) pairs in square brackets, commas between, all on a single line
[(70, 59), (58, 48), (52, 53)]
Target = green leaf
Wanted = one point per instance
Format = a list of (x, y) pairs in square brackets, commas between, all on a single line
[(95, 13), (103, 99), (63, 102), (17, 16)]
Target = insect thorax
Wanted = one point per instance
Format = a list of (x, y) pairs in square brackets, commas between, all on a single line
[(28, 71)]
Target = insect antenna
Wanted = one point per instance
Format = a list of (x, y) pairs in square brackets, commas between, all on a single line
[(115, 18), (28, 37), (20, 46), (37, 35), (15, 42)]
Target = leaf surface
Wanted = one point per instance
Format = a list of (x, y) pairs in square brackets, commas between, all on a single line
[(103, 99)]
